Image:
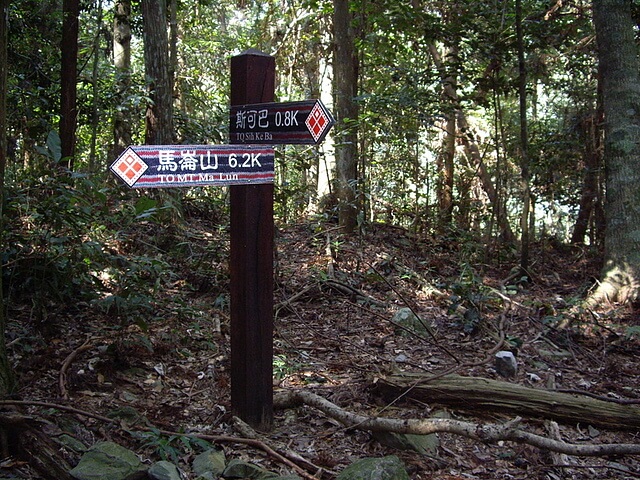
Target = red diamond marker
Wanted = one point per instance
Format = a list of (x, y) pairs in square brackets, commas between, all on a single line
[(317, 121), (129, 167)]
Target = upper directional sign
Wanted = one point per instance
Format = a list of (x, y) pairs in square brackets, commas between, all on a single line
[(159, 166), (305, 122)]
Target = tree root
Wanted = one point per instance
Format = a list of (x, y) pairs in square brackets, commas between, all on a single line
[(487, 433)]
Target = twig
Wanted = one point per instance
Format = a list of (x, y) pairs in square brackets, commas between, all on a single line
[(62, 377), (57, 406), (253, 443), (288, 301)]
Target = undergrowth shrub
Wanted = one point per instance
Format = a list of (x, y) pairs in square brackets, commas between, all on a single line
[(62, 246)]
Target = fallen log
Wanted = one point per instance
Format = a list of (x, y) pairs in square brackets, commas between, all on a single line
[(483, 394), (487, 433)]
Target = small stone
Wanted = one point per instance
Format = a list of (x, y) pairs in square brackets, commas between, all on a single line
[(164, 470), (533, 377), (244, 470), (210, 463), (107, 461), (408, 323), (506, 364), (424, 444)]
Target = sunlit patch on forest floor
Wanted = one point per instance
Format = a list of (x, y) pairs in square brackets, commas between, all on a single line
[(165, 364)]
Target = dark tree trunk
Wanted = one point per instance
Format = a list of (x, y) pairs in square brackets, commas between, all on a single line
[(345, 73), (7, 382), (159, 116), (68, 79)]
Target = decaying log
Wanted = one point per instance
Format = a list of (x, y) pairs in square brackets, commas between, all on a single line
[(483, 394)]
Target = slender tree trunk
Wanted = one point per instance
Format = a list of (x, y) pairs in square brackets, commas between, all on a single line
[(314, 83), (122, 63), (620, 74), (524, 145), (590, 197), (95, 114), (444, 187), (326, 165), (345, 68), (69, 79), (7, 381), (159, 116)]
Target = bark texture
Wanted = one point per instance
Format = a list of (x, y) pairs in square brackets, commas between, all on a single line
[(483, 394), (620, 77), (345, 62), (483, 432), (159, 117), (68, 79)]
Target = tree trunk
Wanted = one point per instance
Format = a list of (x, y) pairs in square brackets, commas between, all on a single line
[(483, 394), (473, 153), (620, 75), (524, 145), (122, 63), (444, 187), (159, 116), (68, 79), (7, 381), (345, 62), (95, 111), (590, 198)]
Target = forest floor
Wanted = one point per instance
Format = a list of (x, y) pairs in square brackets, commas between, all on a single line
[(335, 298)]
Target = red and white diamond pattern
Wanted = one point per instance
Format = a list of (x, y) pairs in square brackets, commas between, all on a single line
[(317, 121), (129, 167)]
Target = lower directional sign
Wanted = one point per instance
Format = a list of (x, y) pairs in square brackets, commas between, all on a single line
[(160, 166)]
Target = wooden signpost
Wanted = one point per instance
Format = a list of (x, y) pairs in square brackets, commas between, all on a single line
[(249, 171)]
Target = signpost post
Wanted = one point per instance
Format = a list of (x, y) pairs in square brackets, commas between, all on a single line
[(249, 171), (252, 81)]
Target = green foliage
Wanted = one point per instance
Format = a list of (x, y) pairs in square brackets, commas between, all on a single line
[(632, 332), (172, 448), (50, 251), (402, 109), (469, 299), (63, 238)]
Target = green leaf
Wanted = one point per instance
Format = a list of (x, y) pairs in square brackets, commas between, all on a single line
[(54, 144), (145, 207)]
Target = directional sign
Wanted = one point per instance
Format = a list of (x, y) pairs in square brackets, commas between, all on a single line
[(161, 166), (305, 122)]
